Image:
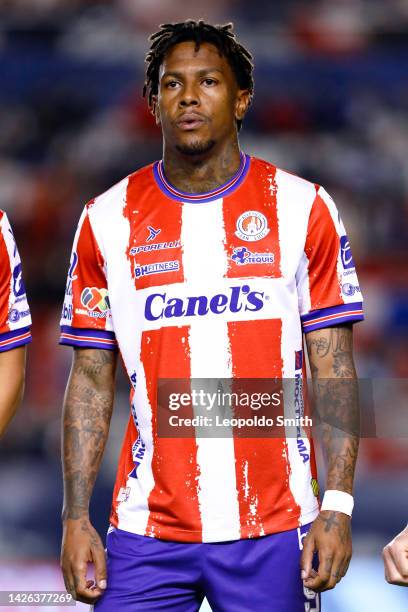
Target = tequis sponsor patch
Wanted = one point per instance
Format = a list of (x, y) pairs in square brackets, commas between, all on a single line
[(251, 226), (242, 256), (95, 299)]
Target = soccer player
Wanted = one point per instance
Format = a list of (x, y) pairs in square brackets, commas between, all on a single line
[(207, 264), (395, 556), (15, 324)]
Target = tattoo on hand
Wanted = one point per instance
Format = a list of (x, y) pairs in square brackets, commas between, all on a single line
[(332, 524)]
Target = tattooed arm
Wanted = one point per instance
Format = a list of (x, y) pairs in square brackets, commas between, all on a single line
[(86, 417), (336, 401)]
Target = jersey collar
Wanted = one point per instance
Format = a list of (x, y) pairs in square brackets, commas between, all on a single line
[(221, 192)]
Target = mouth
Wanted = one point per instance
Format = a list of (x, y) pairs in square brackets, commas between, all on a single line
[(190, 122)]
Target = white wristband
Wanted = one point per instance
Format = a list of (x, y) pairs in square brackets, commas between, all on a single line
[(338, 501)]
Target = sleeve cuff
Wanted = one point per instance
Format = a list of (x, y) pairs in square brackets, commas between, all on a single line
[(15, 338), (88, 338), (334, 315)]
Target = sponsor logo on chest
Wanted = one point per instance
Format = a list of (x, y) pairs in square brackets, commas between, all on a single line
[(243, 256), (240, 298)]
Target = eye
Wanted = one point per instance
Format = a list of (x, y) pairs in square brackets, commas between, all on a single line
[(171, 84), (209, 81)]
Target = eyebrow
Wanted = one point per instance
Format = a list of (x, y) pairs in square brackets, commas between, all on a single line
[(180, 75)]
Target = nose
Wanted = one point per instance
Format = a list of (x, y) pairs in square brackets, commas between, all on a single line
[(189, 96)]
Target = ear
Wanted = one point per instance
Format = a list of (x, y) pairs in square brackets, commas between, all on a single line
[(154, 109), (242, 103)]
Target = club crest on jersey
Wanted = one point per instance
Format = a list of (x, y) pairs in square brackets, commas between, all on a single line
[(242, 256), (156, 268), (251, 226)]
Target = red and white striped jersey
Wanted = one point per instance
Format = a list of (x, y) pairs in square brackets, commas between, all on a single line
[(15, 320), (199, 286)]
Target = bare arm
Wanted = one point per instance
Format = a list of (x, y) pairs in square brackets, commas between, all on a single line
[(336, 399), (12, 375), (86, 417)]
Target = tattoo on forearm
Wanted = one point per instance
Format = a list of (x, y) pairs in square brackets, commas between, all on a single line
[(87, 412), (336, 402)]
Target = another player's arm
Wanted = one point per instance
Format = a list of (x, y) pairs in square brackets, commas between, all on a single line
[(87, 412), (334, 379), (395, 556), (12, 377)]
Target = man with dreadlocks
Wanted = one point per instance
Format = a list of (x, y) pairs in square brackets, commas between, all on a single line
[(208, 264)]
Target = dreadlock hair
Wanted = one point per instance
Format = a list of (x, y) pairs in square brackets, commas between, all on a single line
[(221, 36)]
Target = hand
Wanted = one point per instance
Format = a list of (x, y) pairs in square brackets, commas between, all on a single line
[(395, 556), (330, 536), (81, 545)]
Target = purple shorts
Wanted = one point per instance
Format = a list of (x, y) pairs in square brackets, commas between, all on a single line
[(260, 574)]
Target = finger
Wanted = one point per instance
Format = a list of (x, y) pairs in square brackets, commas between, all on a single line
[(385, 556), (335, 573), (345, 566), (68, 579), (320, 582), (306, 559), (399, 556), (99, 559), (392, 575), (84, 590)]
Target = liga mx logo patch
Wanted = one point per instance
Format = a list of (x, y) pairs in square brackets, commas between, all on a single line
[(95, 299), (251, 226)]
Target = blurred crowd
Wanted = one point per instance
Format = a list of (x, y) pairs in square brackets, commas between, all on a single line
[(331, 104)]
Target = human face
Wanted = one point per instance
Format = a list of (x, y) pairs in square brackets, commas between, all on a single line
[(198, 99)]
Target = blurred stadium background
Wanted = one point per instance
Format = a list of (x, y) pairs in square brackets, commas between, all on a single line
[(331, 102)]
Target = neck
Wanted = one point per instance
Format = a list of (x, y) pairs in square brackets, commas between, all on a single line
[(199, 174)]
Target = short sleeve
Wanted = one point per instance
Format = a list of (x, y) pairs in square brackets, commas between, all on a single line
[(86, 319), (15, 319), (328, 289)]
